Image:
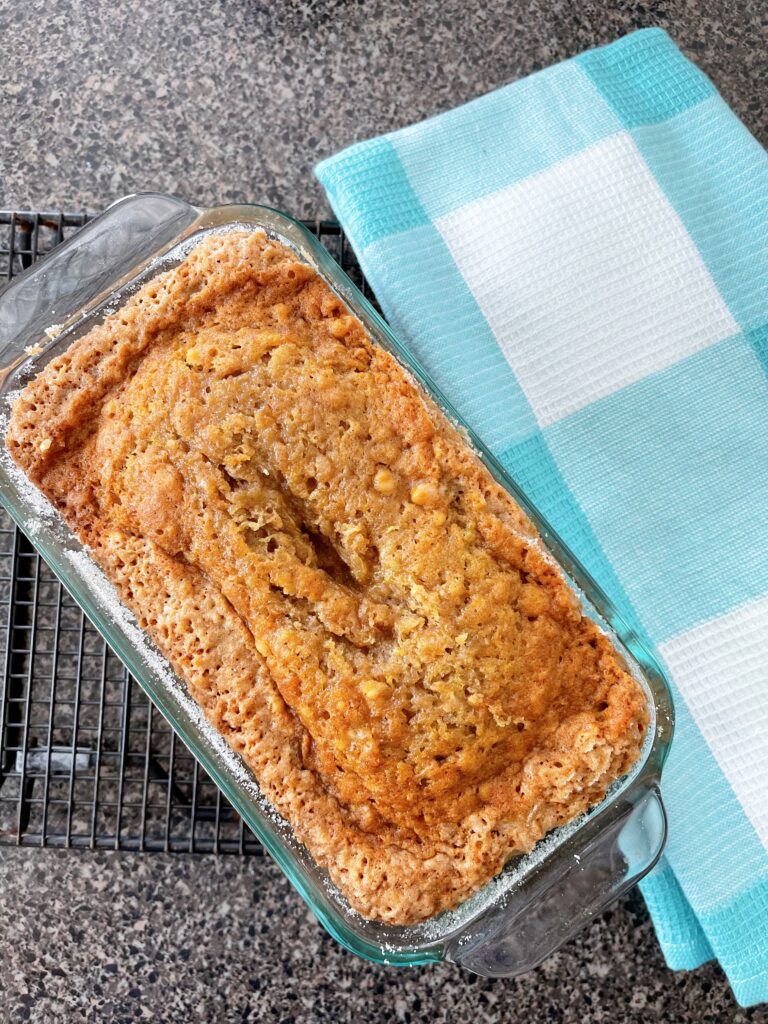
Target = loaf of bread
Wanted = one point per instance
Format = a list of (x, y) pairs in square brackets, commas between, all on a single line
[(363, 612)]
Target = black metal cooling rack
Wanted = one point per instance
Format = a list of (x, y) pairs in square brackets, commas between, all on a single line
[(85, 759)]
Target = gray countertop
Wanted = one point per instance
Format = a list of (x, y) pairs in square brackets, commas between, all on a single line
[(222, 100), (228, 100)]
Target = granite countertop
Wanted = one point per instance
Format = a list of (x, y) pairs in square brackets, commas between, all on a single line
[(225, 100)]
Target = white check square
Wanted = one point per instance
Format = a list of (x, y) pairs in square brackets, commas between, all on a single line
[(587, 277), (721, 668)]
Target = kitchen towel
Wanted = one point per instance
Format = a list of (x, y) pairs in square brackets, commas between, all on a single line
[(580, 260)]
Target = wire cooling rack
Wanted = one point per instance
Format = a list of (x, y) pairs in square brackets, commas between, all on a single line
[(85, 759)]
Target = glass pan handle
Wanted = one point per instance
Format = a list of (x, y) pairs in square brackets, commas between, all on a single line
[(80, 269), (546, 911)]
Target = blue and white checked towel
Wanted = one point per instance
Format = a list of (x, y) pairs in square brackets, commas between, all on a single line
[(580, 259)]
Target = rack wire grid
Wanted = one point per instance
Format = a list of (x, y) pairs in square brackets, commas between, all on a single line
[(86, 761)]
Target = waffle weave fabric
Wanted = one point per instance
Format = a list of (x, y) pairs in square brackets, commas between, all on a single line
[(580, 259)]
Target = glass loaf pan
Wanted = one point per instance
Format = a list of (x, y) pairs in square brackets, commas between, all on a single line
[(539, 900)]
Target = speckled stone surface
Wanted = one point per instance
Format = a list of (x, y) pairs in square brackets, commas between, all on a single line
[(225, 100), (108, 937)]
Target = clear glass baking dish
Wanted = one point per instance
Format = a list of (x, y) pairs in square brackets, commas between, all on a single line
[(539, 900)]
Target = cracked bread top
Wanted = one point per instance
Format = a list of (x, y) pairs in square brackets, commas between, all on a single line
[(366, 615)]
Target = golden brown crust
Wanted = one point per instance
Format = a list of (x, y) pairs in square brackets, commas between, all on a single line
[(368, 618)]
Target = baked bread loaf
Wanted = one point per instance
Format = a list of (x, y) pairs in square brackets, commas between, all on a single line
[(364, 613)]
